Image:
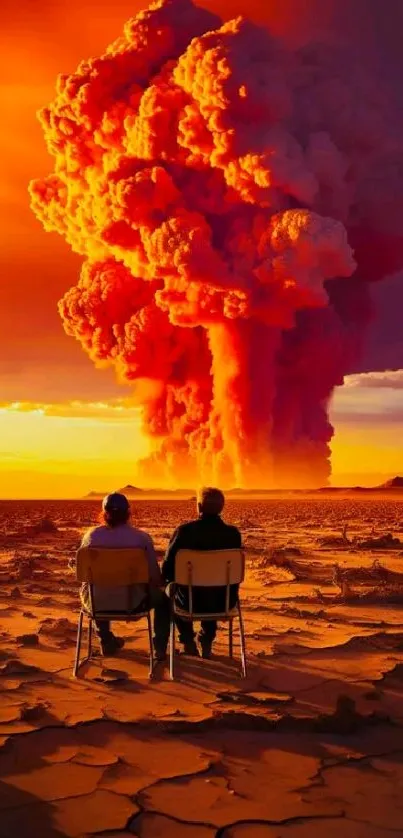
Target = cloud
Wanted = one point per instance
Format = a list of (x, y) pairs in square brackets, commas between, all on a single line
[(115, 410), (390, 379), (369, 399), (363, 419)]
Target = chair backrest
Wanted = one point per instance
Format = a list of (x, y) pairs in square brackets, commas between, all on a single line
[(209, 568), (111, 567)]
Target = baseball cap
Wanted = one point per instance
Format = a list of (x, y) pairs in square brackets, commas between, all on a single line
[(115, 502)]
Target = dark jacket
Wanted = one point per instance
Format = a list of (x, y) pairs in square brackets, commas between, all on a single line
[(206, 533)]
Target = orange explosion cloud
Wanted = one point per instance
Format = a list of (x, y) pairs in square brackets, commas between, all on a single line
[(208, 175)]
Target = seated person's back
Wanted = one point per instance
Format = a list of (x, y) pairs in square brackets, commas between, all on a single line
[(120, 534), (117, 532), (207, 532)]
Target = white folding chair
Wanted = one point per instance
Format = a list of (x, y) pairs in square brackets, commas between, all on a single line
[(108, 568), (208, 569)]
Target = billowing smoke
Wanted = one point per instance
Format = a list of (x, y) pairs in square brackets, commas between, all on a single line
[(223, 188)]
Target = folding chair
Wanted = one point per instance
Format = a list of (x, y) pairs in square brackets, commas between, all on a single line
[(110, 568), (207, 569)]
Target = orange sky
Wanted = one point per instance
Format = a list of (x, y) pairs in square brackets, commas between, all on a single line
[(65, 454)]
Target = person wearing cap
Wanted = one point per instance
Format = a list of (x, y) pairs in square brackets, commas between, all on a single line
[(117, 531), (207, 532)]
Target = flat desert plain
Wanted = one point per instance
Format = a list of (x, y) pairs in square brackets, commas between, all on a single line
[(310, 745)]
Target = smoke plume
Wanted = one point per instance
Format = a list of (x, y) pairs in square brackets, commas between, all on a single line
[(233, 197)]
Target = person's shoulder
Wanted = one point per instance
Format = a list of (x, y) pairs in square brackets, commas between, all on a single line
[(141, 536), (188, 526), (94, 531), (232, 527), (92, 534), (234, 532)]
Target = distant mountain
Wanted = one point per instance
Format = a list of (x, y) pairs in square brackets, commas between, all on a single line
[(394, 483), (131, 490), (134, 492)]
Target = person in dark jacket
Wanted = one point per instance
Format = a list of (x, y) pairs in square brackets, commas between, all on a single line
[(207, 532)]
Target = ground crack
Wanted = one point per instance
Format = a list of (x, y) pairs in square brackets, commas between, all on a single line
[(345, 720), (137, 819), (222, 831)]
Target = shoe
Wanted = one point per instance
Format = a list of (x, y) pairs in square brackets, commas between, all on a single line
[(191, 649), (108, 648), (205, 646), (112, 645)]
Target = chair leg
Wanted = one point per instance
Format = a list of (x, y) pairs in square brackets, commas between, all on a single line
[(172, 649), (78, 645), (242, 637), (150, 640), (230, 638), (89, 653)]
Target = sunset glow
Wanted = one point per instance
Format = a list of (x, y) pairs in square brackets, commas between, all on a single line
[(69, 449)]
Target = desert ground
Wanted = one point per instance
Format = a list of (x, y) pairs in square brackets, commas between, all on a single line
[(310, 745)]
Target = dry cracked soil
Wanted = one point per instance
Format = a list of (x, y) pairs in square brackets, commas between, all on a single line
[(310, 745)]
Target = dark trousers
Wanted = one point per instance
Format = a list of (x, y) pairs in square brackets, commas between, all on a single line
[(157, 600), (186, 631), (205, 601)]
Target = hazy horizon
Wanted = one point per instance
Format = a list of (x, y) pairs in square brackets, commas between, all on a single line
[(374, 483)]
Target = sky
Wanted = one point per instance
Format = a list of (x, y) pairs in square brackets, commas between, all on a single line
[(66, 427)]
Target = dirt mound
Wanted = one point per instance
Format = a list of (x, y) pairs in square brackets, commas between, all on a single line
[(382, 542), (46, 525), (60, 628)]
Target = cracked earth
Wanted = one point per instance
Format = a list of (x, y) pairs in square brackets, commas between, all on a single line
[(309, 746)]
